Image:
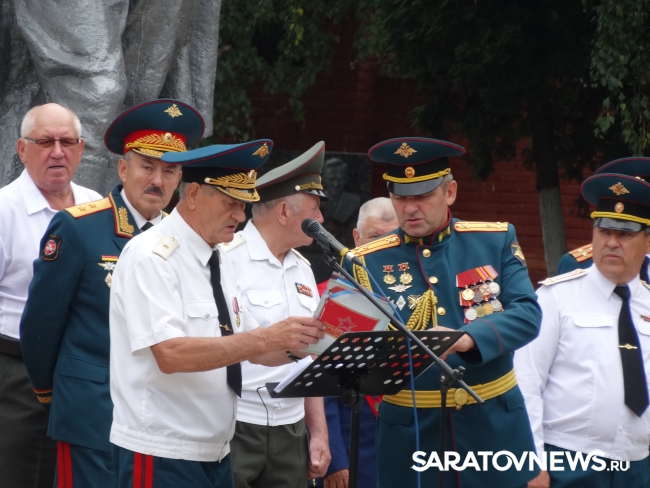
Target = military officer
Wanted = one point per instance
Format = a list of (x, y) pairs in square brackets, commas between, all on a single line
[(64, 328), (585, 377), (581, 258), (469, 276)]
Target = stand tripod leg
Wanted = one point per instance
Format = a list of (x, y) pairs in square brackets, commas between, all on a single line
[(355, 425), (444, 386)]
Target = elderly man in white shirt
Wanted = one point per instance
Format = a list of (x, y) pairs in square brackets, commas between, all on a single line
[(50, 147), (584, 378), (270, 445), (175, 309)]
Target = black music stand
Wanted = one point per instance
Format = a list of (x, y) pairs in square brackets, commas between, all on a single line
[(365, 363)]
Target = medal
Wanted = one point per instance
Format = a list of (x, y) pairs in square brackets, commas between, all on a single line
[(399, 288), (389, 279), (496, 305), (470, 314), (489, 309), (400, 302), (480, 311), (467, 294), (413, 301), (485, 290), (405, 278), (494, 287), (478, 296), (235, 308)]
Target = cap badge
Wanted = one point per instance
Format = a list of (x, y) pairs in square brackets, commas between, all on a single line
[(405, 150), (619, 189), (262, 151), (167, 137), (409, 172), (173, 111), (619, 207)]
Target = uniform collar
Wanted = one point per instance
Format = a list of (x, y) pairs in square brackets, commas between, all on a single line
[(258, 250), (188, 237), (137, 216), (436, 237), (606, 287), (34, 198)]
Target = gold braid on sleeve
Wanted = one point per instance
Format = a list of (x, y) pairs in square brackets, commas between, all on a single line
[(425, 311), (361, 276)]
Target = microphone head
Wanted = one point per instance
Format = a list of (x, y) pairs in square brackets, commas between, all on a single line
[(310, 226)]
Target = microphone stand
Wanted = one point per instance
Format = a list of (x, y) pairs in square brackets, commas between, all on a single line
[(448, 377)]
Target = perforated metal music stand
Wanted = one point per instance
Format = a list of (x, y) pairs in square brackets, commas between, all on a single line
[(365, 363)]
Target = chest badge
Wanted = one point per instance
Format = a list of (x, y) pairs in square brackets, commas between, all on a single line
[(235, 308), (108, 263), (405, 278), (304, 290), (389, 279)]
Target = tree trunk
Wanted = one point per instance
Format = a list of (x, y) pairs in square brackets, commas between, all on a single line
[(548, 189)]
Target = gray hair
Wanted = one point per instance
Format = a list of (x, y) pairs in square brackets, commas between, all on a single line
[(29, 120), (182, 189), (380, 208), (646, 231), (448, 178), (294, 201)]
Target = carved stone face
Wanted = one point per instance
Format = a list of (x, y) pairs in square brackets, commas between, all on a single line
[(335, 177)]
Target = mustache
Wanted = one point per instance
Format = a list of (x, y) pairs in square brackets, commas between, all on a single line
[(155, 190)]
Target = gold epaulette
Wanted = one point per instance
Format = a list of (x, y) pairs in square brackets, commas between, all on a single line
[(391, 240), (464, 226), (582, 253), (571, 275), (89, 208)]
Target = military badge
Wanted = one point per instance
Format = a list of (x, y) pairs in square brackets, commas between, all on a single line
[(108, 263), (515, 248), (235, 308), (173, 111), (647, 319), (304, 290), (51, 249), (405, 278), (479, 292), (389, 279)]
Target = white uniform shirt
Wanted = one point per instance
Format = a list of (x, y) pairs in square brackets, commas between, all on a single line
[(187, 416), (270, 291), (571, 375), (24, 217)]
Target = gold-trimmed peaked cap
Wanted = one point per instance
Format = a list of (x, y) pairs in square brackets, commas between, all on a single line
[(636, 166), (230, 168), (416, 165), (155, 127), (622, 202), (302, 174)]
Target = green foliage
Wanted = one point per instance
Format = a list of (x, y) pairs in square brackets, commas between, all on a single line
[(498, 72), (621, 64), (280, 44)]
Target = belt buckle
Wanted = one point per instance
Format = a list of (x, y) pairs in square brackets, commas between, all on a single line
[(460, 398)]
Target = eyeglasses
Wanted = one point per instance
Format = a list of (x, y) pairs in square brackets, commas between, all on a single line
[(48, 143)]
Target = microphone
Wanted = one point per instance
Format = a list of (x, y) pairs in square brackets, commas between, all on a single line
[(327, 241)]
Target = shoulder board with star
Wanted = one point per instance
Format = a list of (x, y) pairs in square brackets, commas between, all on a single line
[(165, 247), (582, 253), (301, 257), (89, 208), (238, 240), (465, 226), (392, 240), (572, 275)]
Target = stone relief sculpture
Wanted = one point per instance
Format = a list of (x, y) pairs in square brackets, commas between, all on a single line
[(99, 57)]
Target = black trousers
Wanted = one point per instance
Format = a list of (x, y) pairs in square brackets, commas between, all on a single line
[(27, 455)]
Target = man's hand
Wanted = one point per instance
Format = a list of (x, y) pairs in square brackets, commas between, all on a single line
[(319, 453), (543, 480), (293, 333), (465, 343), (338, 479)]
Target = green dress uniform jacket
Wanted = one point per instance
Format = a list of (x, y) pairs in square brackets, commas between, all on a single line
[(433, 263), (64, 330)]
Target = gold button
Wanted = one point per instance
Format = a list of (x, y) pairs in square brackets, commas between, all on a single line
[(433, 280), (426, 253), (441, 311)]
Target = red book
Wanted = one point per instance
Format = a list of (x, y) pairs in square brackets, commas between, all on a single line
[(339, 319)]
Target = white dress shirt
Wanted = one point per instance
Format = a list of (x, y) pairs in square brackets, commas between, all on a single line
[(24, 218), (187, 416), (137, 216), (571, 375), (270, 291)]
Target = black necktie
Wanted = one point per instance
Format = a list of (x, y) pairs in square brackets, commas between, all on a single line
[(233, 372), (634, 381), (147, 225)]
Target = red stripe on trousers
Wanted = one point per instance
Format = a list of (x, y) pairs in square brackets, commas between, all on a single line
[(64, 465), (142, 471), (137, 470), (148, 472)]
